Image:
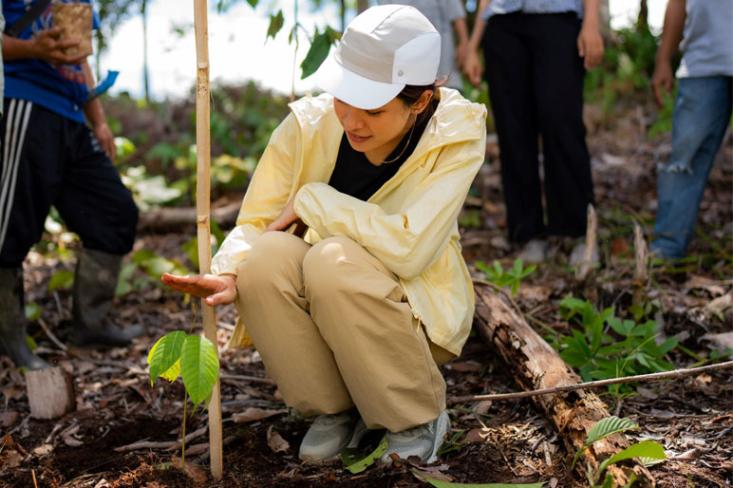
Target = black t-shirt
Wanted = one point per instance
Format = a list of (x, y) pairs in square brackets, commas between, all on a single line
[(354, 175)]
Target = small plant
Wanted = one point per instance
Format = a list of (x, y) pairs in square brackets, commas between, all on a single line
[(194, 359), (510, 278), (607, 346), (649, 452)]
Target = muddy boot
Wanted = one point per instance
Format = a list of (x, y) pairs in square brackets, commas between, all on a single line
[(94, 288), (12, 321)]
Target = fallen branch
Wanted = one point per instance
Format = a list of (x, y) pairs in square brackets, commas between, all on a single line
[(171, 218), (677, 373), (536, 365)]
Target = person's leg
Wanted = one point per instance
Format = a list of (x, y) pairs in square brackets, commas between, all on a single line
[(379, 347), (509, 75), (701, 114), (274, 310), (558, 88), (96, 205), (30, 177)]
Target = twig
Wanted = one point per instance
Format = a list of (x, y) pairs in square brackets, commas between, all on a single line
[(51, 336), (242, 377), (35, 481), (677, 373), (169, 445)]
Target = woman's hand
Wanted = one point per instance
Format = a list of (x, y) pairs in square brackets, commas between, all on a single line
[(472, 68), (287, 218), (590, 44), (216, 289)]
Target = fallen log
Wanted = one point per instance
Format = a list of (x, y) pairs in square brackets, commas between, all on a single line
[(173, 218), (535, 365)]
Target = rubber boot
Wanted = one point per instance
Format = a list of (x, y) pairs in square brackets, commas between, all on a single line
[(12, 321), (94, 289)]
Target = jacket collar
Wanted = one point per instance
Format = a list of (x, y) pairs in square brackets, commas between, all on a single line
[(455, 120)]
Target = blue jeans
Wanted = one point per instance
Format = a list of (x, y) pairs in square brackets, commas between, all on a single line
[(701, 115)]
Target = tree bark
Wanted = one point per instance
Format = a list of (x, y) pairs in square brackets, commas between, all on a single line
[(534, 364)]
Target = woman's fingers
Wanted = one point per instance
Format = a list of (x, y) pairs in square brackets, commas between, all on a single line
[(223, 297), (196, 285)]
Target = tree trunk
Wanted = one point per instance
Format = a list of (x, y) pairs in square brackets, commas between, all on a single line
[(534, 364), (342, 14), (642, 21), (146, 67)]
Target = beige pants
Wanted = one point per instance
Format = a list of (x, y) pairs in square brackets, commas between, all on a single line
[(334, 330)]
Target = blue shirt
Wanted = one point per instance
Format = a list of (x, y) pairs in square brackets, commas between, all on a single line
[(61, 89), (707, 42), (498, 7)]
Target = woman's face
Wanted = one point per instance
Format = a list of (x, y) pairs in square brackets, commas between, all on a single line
[(375, 132)]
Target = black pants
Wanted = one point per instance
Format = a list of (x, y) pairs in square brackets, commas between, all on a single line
[(535, 81), (45, 160)]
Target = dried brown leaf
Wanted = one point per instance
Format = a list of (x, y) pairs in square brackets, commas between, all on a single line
[(276, 442)]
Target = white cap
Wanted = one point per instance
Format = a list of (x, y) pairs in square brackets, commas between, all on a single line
[(383, 50)]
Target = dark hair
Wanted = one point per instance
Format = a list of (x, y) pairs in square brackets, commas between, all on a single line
[(412, 93)]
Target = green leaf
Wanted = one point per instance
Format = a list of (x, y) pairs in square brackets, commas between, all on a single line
[(32, 311), (362, 464), (199, 367), (609, 426), (276, 24), (61, 280), (451, 484), (165, 355), (317, 52), (648, 450)]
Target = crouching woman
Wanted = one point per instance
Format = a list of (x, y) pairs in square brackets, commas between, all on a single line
[(353, 319)]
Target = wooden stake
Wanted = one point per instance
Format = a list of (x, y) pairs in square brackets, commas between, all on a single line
[(642, 256), (591, 238), (203, 230), (50, 393)]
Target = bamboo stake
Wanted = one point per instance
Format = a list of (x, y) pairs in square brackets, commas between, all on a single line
[(203, 230)]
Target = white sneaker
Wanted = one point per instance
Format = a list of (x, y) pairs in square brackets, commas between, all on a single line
[(422, 441), (534, 251), (327, 436)]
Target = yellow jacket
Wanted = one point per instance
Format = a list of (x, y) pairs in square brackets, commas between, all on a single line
[(410, 223)]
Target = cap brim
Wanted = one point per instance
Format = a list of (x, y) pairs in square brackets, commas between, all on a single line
[(352, 88)]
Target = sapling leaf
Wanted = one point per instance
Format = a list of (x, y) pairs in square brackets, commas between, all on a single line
[(276, 23), (364, 463), (609, 426), (199, 367), (164, 355), (648, 450), (317, 53)]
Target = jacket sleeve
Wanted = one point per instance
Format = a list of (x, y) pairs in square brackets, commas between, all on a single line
[(269, 190), (408, 241)]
